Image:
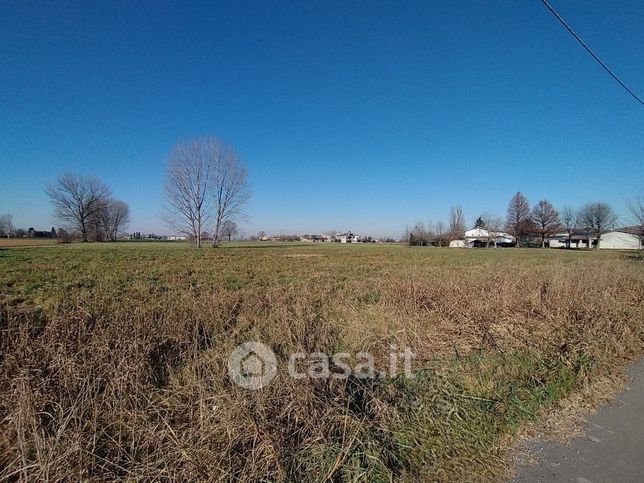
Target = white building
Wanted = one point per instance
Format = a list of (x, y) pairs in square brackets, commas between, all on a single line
[(480, 237), (579, 238), (621, 239), (347, 237)]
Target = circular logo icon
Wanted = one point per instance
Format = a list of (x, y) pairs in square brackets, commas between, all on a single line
[(252, 365)]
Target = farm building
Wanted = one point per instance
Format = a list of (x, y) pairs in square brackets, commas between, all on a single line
[(347, 237), (621, 239), (312, 238), (480, 237), (625, 238), (579, 238)]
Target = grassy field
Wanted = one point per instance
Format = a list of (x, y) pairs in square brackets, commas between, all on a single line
[(26, 242), (113, 357)]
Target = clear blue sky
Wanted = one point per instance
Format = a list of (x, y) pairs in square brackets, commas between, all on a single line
[(350, 115)]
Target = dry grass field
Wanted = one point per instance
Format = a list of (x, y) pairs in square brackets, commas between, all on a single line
[(26, 242), (113, 357)]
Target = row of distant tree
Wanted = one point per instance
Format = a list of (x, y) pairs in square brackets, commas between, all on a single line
[(528, 224), (206, 190), (8, 230)]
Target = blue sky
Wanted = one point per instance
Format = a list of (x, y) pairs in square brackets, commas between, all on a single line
[(350, 115)]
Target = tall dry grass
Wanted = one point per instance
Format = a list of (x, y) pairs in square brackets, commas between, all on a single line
[(113, 361)]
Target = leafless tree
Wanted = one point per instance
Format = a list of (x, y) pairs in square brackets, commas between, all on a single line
[(569, 222), (109, 220), (230, 191), (493, 225), (117, 218), (439, 231), (456, 223), (518, 218), (187, 186), (6, 225), (545, 220), (420, 235), (636, 209), (76, 200), (598, 218), (229, 229), (97, 230), (405, 237)]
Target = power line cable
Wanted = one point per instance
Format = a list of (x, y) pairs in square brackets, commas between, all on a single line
[(583, 44)]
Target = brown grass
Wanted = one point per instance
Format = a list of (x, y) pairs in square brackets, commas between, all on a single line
[(26, 242), (113, 358)]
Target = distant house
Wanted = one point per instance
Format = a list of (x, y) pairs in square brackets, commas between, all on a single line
[(31, 233), (579, 238), (480, 237), (312, 238), (625, 238), (347, 237), (177, 238)]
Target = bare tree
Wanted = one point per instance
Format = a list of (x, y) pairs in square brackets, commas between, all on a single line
[(439, 231), (456, 223), (229, 229), (97, 224), (6, 225), (420, 235), (545, 219), (230, 189), (187, 186), (405, 237), (493, 225), (636, 209), (76, 200), (117, 218), (569, 222), (598, 217), (518, 218)]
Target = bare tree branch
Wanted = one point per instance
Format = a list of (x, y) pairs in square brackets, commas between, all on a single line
[(598, 218), (188, 180), (76, 199), (545, 219)]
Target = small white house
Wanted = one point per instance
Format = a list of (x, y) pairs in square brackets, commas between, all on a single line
[(621, 239), (577, 239)]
